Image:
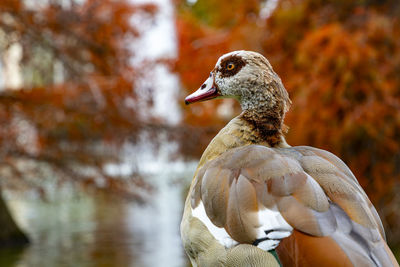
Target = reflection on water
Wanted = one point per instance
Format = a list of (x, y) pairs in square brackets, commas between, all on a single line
[(102, 230)]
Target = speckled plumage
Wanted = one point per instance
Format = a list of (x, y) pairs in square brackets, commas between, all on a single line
[(252, 187), (259, 90)]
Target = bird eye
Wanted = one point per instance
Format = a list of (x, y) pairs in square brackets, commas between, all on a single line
[(230, 66)]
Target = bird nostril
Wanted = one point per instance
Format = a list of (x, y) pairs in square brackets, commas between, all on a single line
[(210, 74), (203, 86)]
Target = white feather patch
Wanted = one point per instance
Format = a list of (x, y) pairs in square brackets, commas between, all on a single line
[(219, 233), (272, 226)]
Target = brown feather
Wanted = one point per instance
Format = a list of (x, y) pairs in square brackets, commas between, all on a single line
[(216, 188), (241, 212), (300, 250), (320, 201)]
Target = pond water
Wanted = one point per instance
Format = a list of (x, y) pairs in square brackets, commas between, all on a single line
[(97, 229)]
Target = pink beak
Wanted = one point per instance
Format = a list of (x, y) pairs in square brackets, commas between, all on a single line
[(207, 91)]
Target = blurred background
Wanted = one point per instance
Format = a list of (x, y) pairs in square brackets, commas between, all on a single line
[(97, 148)]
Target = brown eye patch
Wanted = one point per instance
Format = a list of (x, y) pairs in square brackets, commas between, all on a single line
[(231, 65)]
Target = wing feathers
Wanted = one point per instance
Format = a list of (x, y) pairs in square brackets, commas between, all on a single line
[(341, 189), (286, 184), (241, 211), (299, 216), (310, 190), (312, 195), (215, 187)]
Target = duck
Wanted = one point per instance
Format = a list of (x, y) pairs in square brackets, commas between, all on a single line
[(257, 201)]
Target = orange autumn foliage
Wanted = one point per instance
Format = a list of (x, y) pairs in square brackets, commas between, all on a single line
[(78, 122), (340, 62)]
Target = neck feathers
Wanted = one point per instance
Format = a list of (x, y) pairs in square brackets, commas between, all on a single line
[(267, 126), (264, 109)]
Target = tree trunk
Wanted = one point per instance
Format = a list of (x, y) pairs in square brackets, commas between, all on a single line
[(10, 234)]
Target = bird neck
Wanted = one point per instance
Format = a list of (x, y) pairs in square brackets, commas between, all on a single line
[(267, 125), (264, 108)]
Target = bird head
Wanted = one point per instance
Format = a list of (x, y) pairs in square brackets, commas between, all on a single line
[(246, 76)]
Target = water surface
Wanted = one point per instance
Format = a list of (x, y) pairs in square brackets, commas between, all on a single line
[(98, 229)]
